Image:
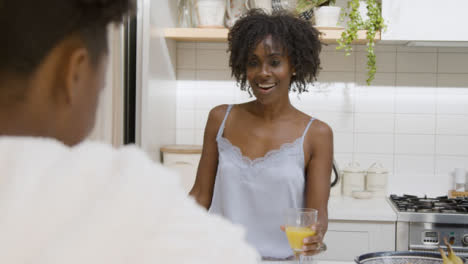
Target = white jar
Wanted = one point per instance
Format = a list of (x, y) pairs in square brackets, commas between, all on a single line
[(353, 178), (376, 181), (210, 13)]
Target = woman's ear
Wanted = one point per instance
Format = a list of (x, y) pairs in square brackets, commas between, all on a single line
[(76, 72)]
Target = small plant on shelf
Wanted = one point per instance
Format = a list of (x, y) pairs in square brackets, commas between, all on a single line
[(372, 25)]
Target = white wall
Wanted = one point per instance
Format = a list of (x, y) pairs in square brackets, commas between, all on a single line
[(414, 117), (158, 95)]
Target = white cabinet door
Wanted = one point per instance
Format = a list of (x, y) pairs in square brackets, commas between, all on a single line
[(425, 20), (346, 240), (186, 165)]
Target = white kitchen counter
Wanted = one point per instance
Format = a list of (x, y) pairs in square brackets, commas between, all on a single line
[(313, 262), (348, 208)]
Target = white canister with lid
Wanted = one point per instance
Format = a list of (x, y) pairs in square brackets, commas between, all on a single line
[(353, 178), (376, 181)]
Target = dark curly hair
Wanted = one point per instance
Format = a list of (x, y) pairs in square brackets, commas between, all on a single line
[(31, 28), (296, 36)]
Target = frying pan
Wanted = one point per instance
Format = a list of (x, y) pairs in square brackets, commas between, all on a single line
[(401, 257)]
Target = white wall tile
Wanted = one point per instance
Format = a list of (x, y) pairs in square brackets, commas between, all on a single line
[(451, 101), (185, 45), (452, 124), (212, 59), (337, 61), (416, 49), (367, 160), (212, 45), (414, 144), (416, 62), (453, 63), (414, 165), (374, 123), (185, 136), (372, 99), (201, 117), (410, 100), (404, 80), (338, 99), (385, 61), (445, 166), (452, 50), (415, 124), (377, 48), (215, 75), (186, 59), (452, 145), (380, 79), (452, 80), (185, 119), (199, 136), (343, 142), (374, 143), (339, 122), (332, 79)]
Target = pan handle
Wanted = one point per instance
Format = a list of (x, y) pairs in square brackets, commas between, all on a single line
[(336, 171)]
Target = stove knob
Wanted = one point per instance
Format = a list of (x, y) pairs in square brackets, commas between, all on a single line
[(465, 240)]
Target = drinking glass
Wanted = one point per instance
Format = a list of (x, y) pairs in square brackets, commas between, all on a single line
[(299, 222)]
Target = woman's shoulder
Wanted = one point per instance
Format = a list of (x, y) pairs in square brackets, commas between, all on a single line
[(317, 127)]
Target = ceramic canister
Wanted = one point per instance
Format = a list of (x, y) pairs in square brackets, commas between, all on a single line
[(234, 10), (210, 13), (376, 181), (353, 178)]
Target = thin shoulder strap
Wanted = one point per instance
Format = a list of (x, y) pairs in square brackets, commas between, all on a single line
[(307, 128), (221, 128)]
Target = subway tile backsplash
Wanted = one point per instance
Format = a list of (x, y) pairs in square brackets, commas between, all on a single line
[(413, 118)]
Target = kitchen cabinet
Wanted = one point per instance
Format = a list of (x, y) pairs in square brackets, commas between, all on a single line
[(329, 36), (425, 20), (346, 240), (184, 160)]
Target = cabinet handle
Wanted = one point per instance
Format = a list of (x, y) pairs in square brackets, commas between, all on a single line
[(182, 163)]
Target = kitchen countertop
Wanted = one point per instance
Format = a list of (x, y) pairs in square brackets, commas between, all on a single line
[(313, 262), (348, 208)]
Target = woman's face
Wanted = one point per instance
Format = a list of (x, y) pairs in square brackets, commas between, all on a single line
[(269, 71)]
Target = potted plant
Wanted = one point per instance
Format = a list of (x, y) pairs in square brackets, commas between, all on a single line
[(324, 11), (372, 22)]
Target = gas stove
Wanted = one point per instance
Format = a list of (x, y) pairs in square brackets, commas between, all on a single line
[(423, 223), (442, 209)]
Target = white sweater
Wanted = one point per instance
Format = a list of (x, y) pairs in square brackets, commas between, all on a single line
[(96, 204)]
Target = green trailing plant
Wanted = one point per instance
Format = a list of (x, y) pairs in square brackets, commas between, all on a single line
[(306, 5), (355, 23)]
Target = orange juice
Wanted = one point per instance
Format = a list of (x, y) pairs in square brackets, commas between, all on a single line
[(296, 236)]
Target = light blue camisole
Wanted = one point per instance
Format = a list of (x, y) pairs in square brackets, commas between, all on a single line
[(255, 193)]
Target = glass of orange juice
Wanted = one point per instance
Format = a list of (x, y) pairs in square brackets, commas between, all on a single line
[(299, 222)]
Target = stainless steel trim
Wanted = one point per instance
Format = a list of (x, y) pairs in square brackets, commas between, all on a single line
[(402, 236)]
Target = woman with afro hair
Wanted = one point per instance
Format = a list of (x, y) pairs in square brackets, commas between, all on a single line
[(264, 156)]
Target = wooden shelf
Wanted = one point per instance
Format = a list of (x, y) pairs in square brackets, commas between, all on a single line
[(329, 36)]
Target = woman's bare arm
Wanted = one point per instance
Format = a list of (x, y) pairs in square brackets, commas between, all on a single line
[(317, 190), (203, 188)]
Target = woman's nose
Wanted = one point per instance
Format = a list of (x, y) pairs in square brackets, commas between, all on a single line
[(265, 70)]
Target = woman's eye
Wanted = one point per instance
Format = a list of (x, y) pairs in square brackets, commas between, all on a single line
[(275, 63), (252, 63)]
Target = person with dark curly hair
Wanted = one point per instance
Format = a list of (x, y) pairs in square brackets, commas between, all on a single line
[(67, 201), (264, 156)]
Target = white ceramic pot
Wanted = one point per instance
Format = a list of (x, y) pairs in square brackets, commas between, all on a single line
[(327, 16), (363, 10), (353, 179), (376, 181), (210, 13), (234, 10), (262, 4)]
